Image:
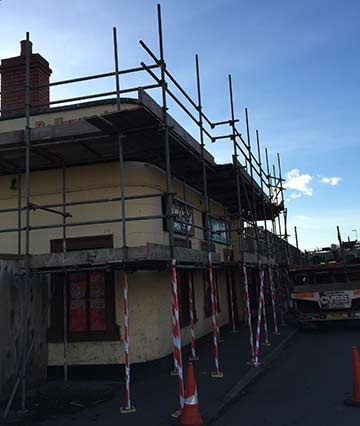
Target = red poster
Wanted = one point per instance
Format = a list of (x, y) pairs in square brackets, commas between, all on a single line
[(78, 302), (97, 301)]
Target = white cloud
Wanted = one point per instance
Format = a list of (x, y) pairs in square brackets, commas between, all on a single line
[(295, 195), (298, 182), (333, 181), (301, 217)]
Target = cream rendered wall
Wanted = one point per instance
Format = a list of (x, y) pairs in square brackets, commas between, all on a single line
[(90, 182), (149, 322), (149, 292)]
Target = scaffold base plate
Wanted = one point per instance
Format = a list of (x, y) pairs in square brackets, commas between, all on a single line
[(266, 344), (124, 410), (193, 358), (216, 375), (276, 333), (176, 414), (173, 373)]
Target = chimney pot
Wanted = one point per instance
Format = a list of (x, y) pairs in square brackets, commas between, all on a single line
[(23, 47)]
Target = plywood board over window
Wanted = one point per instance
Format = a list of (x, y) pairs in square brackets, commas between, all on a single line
[(90, 297)]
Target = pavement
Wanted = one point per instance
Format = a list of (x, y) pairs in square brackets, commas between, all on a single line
[(306, 385), (155, 396)]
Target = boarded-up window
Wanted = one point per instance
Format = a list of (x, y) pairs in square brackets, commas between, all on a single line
[(90, 298), (86, 296)]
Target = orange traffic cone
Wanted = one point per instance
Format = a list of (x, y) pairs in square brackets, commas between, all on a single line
[(190, 414), (355, 399)]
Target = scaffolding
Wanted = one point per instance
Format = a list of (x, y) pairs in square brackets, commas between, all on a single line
[(248, 193)]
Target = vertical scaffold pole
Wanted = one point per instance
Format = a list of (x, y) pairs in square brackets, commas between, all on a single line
[(128, 408), (237, 172), (177, 334), (240, 230), (271, 282), (65, 298), (192, 319), (217, 373), (280, 297), (273, 224), (253, 209), (276, 193), (260, 310), (282, 200), (232, 303), (285, 229), (169, 216), (121, 150), (254, 217), (272, 289), (216, 307), (27, 220), (262, 284), (248, 316), (19, 212), (296, 238)]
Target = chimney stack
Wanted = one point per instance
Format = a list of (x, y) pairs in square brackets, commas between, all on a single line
[(12, 72)]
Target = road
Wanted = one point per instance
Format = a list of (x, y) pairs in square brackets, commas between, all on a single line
[(305, 386)]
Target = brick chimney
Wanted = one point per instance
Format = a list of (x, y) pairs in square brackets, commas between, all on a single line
[(12, 72)]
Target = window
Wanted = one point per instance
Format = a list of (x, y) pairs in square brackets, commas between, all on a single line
[(90, 298), (183, 213), (219, 230)]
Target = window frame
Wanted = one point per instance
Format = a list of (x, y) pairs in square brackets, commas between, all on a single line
[(213, 236)]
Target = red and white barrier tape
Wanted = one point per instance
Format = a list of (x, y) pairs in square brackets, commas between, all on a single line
[(127, 407), (271, 280), (217, 372), (216, 307), (280, 297), (260, 312), (174, 370), (266, 331), (232, 303), (176, 333), (248, 314), (192, 322)]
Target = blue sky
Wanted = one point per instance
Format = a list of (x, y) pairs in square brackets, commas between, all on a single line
[(295, 65)]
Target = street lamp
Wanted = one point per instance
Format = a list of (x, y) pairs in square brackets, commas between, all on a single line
[(354, 230)]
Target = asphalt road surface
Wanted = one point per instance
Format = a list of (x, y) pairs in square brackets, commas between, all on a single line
[(305, 386)]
